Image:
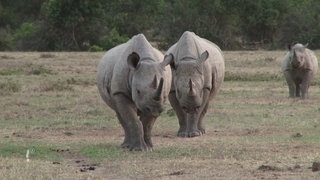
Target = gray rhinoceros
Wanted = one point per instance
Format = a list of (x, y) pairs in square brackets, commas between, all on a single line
[(134, 80), (198, 72), (299, 67)]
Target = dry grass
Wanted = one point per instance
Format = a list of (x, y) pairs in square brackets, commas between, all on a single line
[(50, 105)]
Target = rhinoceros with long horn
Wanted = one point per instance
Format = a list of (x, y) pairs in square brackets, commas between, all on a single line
[(134, 80), (299, 66), (198, 72)]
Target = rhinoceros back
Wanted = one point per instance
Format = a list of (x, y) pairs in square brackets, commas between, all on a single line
[(113, 71), (191, 45), (105, 72)]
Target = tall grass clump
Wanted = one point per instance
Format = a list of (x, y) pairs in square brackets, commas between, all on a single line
[(242, 76), (9, 86), (55, 86)]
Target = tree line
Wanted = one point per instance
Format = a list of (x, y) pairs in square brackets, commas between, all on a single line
[(96, 25)]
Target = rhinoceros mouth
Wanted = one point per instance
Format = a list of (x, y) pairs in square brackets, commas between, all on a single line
[(296, 65)]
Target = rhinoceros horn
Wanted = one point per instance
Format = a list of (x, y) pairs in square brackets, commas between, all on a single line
[(158, 92), (192, 92), (153, 84)]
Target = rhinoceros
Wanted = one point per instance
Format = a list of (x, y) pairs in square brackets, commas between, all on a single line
[(299, 66), (198, 72), (134, 79)]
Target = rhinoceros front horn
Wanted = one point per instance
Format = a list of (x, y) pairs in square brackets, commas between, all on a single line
[(157, 94), (191, 89)]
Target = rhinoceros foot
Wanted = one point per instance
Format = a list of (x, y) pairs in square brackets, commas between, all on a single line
[(194, 133), (202, 130), (182, 134), (140, 147), (190, 134), (125, 145)]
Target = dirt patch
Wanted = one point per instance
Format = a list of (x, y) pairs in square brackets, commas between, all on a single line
[(316, 166), (76, 160)]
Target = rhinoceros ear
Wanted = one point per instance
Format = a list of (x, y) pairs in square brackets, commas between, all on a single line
[(306, 45), (133, 60), (168, 59), (204, 56)]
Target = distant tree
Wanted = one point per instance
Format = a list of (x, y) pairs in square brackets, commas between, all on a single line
[(72, 24), (300, 24)]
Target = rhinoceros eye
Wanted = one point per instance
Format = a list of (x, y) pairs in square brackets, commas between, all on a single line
[(138, 91)]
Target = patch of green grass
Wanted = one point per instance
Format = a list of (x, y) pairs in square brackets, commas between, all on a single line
[(100, 152), (36, 151), (37, 70), (173, 152), (11, 71)]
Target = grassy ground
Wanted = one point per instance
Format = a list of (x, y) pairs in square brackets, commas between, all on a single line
[(50, 107)]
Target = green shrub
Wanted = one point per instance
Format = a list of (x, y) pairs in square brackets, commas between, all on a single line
[(113, 38), (95, 48)]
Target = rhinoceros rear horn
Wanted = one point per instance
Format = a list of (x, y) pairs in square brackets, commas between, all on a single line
[(157, 94)]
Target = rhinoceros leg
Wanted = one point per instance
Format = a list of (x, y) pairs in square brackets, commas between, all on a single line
[(182, 132), (297, 89), (200, 122), (148, 122), (206, 98), (291, 84), (306, 84), (192, 125), (128, 114), (126, 142)]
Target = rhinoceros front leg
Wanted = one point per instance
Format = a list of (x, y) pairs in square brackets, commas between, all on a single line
[(182, 132), (128, 115), (291, 84), (298, 89), (200, 122), (203, 111), (126, 142), (305, 85), (192, 125), (147, 122)]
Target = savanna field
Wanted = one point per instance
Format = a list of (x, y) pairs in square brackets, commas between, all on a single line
[(54, 125)]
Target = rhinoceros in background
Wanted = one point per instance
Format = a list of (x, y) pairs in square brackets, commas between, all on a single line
[(198, 72), (299, 67), (134, 80)]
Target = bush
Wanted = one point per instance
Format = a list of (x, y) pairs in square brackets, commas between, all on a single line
[(95, 48), (112, 39)]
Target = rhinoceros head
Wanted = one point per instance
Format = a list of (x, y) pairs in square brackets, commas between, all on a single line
[(297, 55), (148, 81), (188, 80)]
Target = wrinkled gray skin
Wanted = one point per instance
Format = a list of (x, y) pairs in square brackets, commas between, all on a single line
[(299, 67), (198, 72), (134, 81)]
